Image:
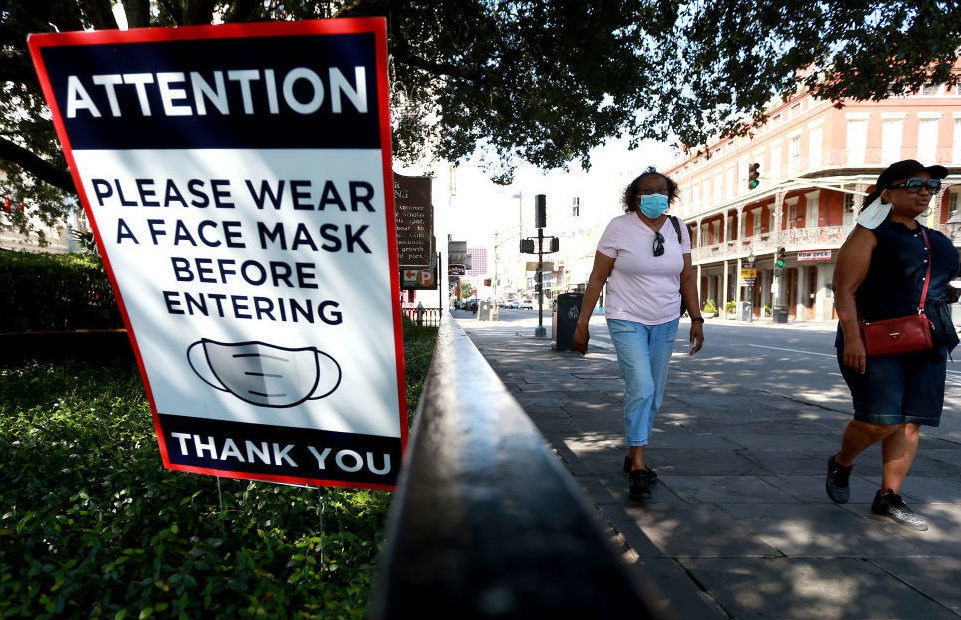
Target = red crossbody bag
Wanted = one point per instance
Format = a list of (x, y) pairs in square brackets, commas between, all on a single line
[(903, 334)]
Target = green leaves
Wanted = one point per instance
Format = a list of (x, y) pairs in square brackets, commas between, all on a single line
[(57, 291), (91, 525), (731, 58), (95, 523), (543, 81)]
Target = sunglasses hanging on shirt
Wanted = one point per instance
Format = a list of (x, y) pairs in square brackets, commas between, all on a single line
[(658, 244)]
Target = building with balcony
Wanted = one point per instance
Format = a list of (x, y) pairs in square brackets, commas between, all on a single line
[(814, 163), (58, 238)]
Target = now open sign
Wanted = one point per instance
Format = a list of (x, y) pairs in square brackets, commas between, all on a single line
[(237, 179)]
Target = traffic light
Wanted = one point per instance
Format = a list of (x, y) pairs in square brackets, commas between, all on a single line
[(487, 281), (753, 175), (527, 246), (779, 262), (540, 211), (555, 244)]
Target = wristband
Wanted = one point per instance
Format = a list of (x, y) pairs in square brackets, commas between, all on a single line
[(697, 319)]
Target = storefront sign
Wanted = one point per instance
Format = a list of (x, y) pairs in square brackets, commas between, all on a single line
[(415, 220), (814, 255)]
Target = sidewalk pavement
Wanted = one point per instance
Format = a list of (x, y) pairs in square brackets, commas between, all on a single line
[(739, 525)]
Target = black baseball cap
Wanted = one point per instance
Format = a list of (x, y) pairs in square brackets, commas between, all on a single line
[(904, 169)]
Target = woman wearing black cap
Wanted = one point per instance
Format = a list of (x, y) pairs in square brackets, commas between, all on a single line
[(880, 274)]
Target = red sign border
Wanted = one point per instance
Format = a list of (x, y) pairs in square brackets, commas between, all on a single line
[(366, 25)]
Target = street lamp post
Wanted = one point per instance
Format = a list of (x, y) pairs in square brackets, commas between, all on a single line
[(751, 260), (953, 227), (495, 309), (520, 214), (519, 269), (498, 242)]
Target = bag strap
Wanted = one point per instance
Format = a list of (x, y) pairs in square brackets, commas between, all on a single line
[(677, 227), (927, 276)]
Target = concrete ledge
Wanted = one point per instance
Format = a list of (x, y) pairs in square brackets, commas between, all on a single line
[(486, 523)]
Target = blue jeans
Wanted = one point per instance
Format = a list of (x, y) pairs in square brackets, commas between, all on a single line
[(643, 355)]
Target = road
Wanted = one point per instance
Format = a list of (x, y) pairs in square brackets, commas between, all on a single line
[(794, 361)]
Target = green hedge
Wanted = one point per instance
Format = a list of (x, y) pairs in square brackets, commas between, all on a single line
[(54, 292), (91, 525)]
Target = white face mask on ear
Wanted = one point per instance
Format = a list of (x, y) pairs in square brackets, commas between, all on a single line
[(873, 214)]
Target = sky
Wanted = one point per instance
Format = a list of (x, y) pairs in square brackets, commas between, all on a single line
[(473, 209), (478, 208)]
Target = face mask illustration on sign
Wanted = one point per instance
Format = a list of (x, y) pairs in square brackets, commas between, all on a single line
[(264, 374)]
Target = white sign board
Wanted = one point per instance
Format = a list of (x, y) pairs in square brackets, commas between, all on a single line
[(238, 182), (814, 255)]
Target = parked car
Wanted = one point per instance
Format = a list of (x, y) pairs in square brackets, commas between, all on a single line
[(527, 304)]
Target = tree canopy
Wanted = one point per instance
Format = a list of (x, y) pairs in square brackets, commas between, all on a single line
[(542, 81)]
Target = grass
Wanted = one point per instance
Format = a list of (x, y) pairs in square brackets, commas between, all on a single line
[(91, 525)]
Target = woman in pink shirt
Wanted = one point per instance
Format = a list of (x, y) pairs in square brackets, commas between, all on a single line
[(648, 273)]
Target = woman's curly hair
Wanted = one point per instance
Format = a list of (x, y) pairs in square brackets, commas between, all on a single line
[(629, 200)]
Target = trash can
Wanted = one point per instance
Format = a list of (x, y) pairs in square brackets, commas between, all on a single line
[(484, 310), (780, 314), (744, 311), (567, 307)]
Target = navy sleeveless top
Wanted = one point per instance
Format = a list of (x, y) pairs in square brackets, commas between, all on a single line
[(895, 279)]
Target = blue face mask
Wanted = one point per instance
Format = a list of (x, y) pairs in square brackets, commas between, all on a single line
[(653, 205)]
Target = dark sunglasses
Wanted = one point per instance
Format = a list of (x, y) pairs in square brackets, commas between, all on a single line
[(913, 186), (658, 244)]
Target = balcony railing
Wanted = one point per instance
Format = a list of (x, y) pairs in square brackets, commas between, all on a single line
[(794, 239)]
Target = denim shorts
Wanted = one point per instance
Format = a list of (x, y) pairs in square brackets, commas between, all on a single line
[(898, 388)]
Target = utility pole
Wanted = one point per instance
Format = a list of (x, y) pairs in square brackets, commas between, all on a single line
[(540, 220), (495, 310), (540, 331), (527, 247)]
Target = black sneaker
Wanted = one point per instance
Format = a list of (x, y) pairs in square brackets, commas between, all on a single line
[(891, 505), (650, 473), (638, 486), (836, 483)]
